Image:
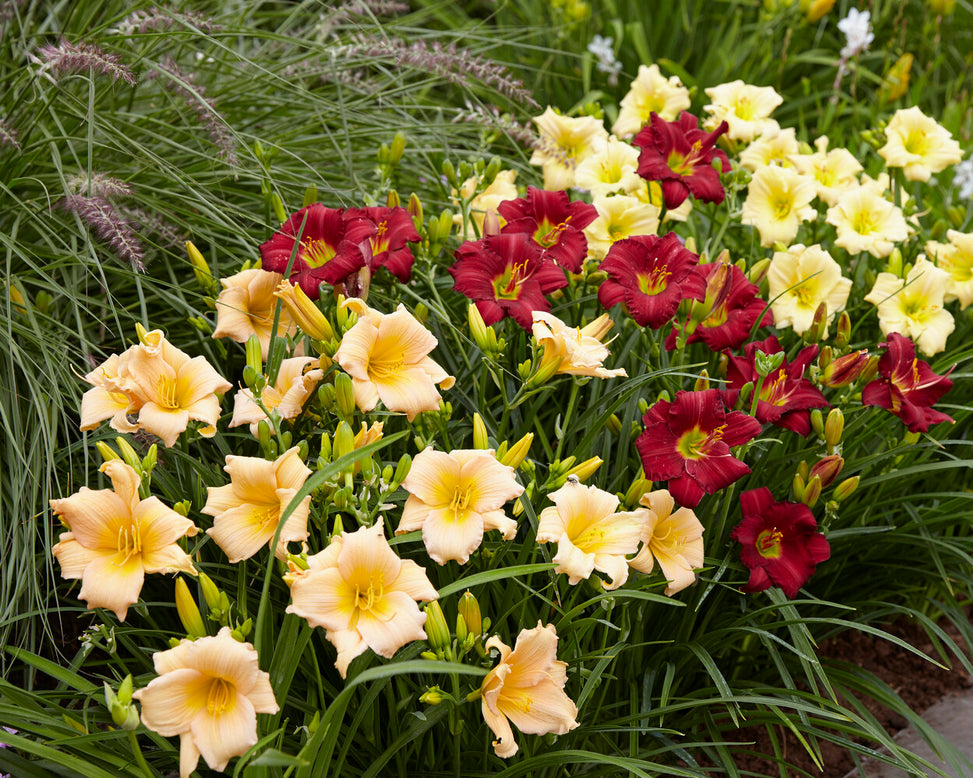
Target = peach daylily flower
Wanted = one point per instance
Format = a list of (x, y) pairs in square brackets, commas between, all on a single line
[(674, 539), (918, 144), (246, 306), (589, 534), (247, 510), (802, 278), (527, 688), (579, 349), (107, 399), (362, 594), (651, 92), (454, 498), (778, 200), (114, 538), (287, 396), (209, 692), (174, 388), (387, 357)]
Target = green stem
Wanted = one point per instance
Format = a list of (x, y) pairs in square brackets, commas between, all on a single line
[(572, 401), (137, 751)]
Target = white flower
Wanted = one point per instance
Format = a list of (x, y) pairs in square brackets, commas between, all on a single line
[(963, 179), (857, 29), (603, 48)]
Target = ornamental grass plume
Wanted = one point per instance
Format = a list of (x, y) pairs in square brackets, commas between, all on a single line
[(209, 692), (362, 594), (577, 350), (387, 357), (102, 218), (745, 108), (526, 688), (590, 533), (454, 498), (246, 307), (778, 201), (114, 538), (297, 378), (67, 58), (671, 536), (918, 144), (650, 93), (799, 280), (564, 142), (247, 511)]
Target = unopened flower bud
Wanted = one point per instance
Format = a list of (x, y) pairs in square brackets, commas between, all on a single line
[(894, 264), (421, 312), (310, 196), (614, 424), (344, 390), (211, 592), (129, 455), (803, 471), (765, 364), (304, 311), (434, 695), (445, 224), (636, 490), (938, 229), (437, 631), (469, 609), (392, 199), (844, 370), (871, 368), (798, 487), (478, 328), (523, 369), (415, 209), (956, 215), (825, 356), (462, 631), (643, 406), (344, 440), (846, 488), (189, 615), (547, 370), (817, 421), (834, 426), (278, 206), (758, 272), (812, 492), (586, 469), (491, 223), (827, 469), (327, 396), (263, 434), (402, 469), (106, 451), (702, 383), (204, 276), (515, 456), (819, 323), (480, 439), (254, 354)]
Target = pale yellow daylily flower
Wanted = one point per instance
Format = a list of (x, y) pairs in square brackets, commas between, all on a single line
[(672, 538), (651, 92), (956, 258), (107, 399), (362, 594), (619, 216), (527, 688), (563, 143), (287, 396), (590, 535), (209, 692), (611, 168), (114, 538), (502, 189), (247, 510), (802, 278), (387, 357), (833, 171), (778, 200), (744, 107), (650, 192), (454, 498), (246, 306), (174, 388), (913, 306), (578, 350), (918, 144), (866, 221), (775, 146)]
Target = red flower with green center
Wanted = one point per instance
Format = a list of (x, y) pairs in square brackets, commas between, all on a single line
[(394, 229), (786, 396), (329, 249), (506, 276), (680, 157), (728, 312), (781, 543), (908, 387), (651, 276), (688, 441), (554, 222)]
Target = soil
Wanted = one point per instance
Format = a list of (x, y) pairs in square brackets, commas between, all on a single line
[(919, 683)]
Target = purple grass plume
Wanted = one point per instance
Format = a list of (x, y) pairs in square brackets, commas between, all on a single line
[(66, 58)]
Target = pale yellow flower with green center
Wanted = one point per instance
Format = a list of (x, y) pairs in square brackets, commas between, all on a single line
[(114, 538), (866, 221), (564, 142), (362, 594), (246, 307), (589, 533), (651, 92), (454, 498), (611, 168), (247, 510), (776, 146), (913, 306), (834, 172), (578, 350), (918, 144), (619, 216), (802, 278), (744, 107), (673, 538), (956, 258), (778, 200), (209, 692)]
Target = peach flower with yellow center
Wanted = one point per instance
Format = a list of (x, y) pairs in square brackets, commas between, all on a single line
[(114, 538), (107, 399), (673, 538), (362, 594), (454, 498), (578, 350), (246, 307), (919, 145), (287, 396), (209, 692)]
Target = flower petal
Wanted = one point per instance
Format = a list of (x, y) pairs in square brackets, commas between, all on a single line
[(221, 736), (393, 621), (171, 701), (449, 534)]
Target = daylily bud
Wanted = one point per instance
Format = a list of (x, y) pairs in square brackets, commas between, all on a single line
[(327, 396), (846, 488), (310, 196), (765, 364), (501, 451), (815, 10), (388, 473), (469, 609), (397, 149), (825, 356), (815, 332), (843, 330), (432, 230), (956, 215), (106, 451), (344, 390), (586, 469), (827, 469), (432, 657), (702, 383), (803, 471), (798, 487), (834, 426), (305, 313), (392, 199), (758, 272), (434, 695), (817, 421), (478, 328), (204, 276), (210, 591), (894, 265), (150, 460), (278, 205), (717, 290), (263, 434), (141, 332), (129, 455), (635, 492), (415, 209), (17, 298), (547, 370), (938, 229), (254, 358), (344, 440), (421, 312), (491, 223), (614, 424), (437, 631), (462, 631), (523, 369), (402, 469), (480, 440), (246, 628), (445, 224), (515, 456), (643, 406), (188, 611), (812, 492), (941, 7), (746, 392), (844, 370)]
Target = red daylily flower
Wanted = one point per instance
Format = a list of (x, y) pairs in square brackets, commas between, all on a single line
[(907, 387), (687, 442), (329, 249), (506, 276), (554, 222), (728, 312), (394, 228), (651, 275), (680, 156), (786, 396), (781, 543)]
